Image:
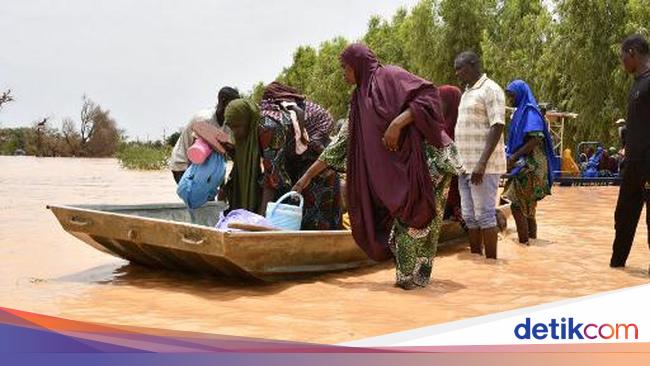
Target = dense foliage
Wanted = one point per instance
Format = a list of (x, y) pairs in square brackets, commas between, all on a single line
[(567, 50)]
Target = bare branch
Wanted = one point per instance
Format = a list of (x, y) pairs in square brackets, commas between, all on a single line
[(89, 114), (5, 98)]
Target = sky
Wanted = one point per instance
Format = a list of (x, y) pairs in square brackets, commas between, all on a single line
[(155, 63)]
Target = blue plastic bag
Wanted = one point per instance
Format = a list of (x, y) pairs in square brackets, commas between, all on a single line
[(200, 183)]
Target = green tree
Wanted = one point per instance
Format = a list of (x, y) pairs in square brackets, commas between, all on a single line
[(638, 17), (567, 50), (172, 139), (21, 138), (422, 38), (585, 51), (463, 23), (257, 92), (328, 86), (513, 45), (299, 74), (387, 39)]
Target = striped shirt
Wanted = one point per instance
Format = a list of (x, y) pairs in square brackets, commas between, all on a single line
[(481, 107)]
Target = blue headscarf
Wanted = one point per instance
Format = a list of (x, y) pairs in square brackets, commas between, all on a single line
[(526, 119)]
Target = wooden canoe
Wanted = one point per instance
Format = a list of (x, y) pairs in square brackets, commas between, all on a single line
[(163, 236)]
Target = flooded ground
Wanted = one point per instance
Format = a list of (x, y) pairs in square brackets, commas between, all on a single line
[(45, 270)]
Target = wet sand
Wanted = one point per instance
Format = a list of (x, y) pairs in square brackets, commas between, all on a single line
[(46, 270)]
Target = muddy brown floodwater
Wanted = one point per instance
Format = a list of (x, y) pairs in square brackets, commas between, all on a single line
[(46, 270)]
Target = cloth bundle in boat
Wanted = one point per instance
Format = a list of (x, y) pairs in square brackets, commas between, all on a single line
[(200, 183), (241, 216), (285, 216)]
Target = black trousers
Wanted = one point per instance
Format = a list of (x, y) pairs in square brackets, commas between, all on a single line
[(178, 175), (633, 193)]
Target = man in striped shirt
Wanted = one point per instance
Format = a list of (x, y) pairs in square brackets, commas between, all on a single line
[(479, 138)]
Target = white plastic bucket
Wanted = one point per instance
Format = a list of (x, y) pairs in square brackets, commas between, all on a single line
[(285, 216)]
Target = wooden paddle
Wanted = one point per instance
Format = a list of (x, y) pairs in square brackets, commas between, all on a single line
[(251, 227), (211, 135)]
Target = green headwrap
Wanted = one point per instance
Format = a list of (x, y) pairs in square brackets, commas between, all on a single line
[(243, 189)]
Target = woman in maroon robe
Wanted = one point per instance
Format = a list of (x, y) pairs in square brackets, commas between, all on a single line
[(399, 163)]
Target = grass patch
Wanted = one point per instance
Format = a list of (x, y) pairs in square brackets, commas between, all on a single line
[(144, 156)]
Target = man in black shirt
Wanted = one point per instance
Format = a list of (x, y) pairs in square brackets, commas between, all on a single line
[(635, 186)]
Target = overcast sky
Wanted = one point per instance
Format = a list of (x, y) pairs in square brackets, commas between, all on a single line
[(154, 63)]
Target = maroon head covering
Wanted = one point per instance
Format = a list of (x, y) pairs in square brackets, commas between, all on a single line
[(280, 92), (273, 95), (384, 185), (450, 96)]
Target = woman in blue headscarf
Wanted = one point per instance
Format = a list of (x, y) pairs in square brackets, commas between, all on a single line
[(530, 159)]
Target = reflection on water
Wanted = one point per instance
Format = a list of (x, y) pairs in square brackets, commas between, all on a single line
[(48, 271), (146, 278)]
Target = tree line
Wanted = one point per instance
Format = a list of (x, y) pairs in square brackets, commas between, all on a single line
[(567, 50), (95, 134)]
